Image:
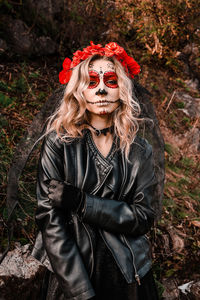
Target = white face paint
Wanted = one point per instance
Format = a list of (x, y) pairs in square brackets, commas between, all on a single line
[(102, 94)]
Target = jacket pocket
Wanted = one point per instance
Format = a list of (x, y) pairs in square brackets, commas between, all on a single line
[(141, 249)]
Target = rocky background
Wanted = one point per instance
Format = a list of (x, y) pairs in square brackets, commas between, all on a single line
[(164, 37)]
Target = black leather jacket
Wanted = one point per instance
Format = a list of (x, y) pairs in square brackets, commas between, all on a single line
[(65, 241)]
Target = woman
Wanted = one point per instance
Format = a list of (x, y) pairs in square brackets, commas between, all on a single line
[(95, 184)]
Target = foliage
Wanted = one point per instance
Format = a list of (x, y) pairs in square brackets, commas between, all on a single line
[(5, 5), (159, 28), (22, 94), (162, 27), (177, 232)]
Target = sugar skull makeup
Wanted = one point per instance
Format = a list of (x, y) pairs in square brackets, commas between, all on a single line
[(109, 79), (102, 93)]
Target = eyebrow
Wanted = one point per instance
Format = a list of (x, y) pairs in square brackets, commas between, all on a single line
[(93, 71), (109, 74), (94, 76)]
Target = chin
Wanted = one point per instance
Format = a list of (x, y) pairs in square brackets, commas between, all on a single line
[(104, 112)]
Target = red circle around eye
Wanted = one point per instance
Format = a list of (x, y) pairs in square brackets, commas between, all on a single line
[(94, 79), (110, 80)]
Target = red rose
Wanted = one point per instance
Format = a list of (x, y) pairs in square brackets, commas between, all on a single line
[(85, 55), (77, 53), (87, 52), (93, 49), (75, 62), (98, 46), (66, 64), (132, 66), (64, 76), (113, 49)]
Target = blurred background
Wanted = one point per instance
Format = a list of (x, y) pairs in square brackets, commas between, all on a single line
[(164, 38)]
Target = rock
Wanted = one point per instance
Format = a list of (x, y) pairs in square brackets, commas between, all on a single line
[(24, 41), (20, 275), (187, 142), (45, 8), (177, 239), (195, 291), (185, 289), (171, 291), (3, 46), (189, 56), (192, 140), (26, 146), (20, 37), (152, 133), (44, 46), (192, 105), (193, 84), (191, 49), (190, 291)]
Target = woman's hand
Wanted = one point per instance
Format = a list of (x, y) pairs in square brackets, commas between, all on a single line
[(65, 196)]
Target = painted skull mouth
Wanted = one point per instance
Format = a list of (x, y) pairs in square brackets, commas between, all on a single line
[(102, 102)]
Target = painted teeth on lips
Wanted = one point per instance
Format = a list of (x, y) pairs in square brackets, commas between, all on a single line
[(102, 103)]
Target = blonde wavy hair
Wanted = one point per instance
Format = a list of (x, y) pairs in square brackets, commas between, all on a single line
[(71, 117)]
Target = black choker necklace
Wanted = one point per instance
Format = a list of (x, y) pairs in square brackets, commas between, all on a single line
[(104, 131)]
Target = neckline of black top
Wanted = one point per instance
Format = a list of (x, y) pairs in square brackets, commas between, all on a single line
[(111, 153)]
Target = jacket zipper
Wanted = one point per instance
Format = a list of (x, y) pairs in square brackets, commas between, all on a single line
[(137, 277), (113, 255)]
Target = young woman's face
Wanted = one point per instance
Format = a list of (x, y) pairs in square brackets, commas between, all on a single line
[(102, 94)]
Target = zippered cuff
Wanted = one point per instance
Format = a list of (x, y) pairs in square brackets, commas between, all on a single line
[(90, 208)]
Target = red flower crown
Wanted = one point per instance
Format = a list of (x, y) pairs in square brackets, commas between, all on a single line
[(112, 49)]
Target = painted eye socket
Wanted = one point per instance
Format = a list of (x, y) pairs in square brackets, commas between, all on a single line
[(110, 80), (94, 80)]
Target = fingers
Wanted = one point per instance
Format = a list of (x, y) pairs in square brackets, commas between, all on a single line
[(55, 186), (55, 183), (55, 192)]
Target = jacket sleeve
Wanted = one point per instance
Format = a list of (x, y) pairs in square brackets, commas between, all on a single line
[(135, 215), (61, 249)]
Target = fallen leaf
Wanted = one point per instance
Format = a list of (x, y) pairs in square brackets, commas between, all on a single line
[(196, 223)]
